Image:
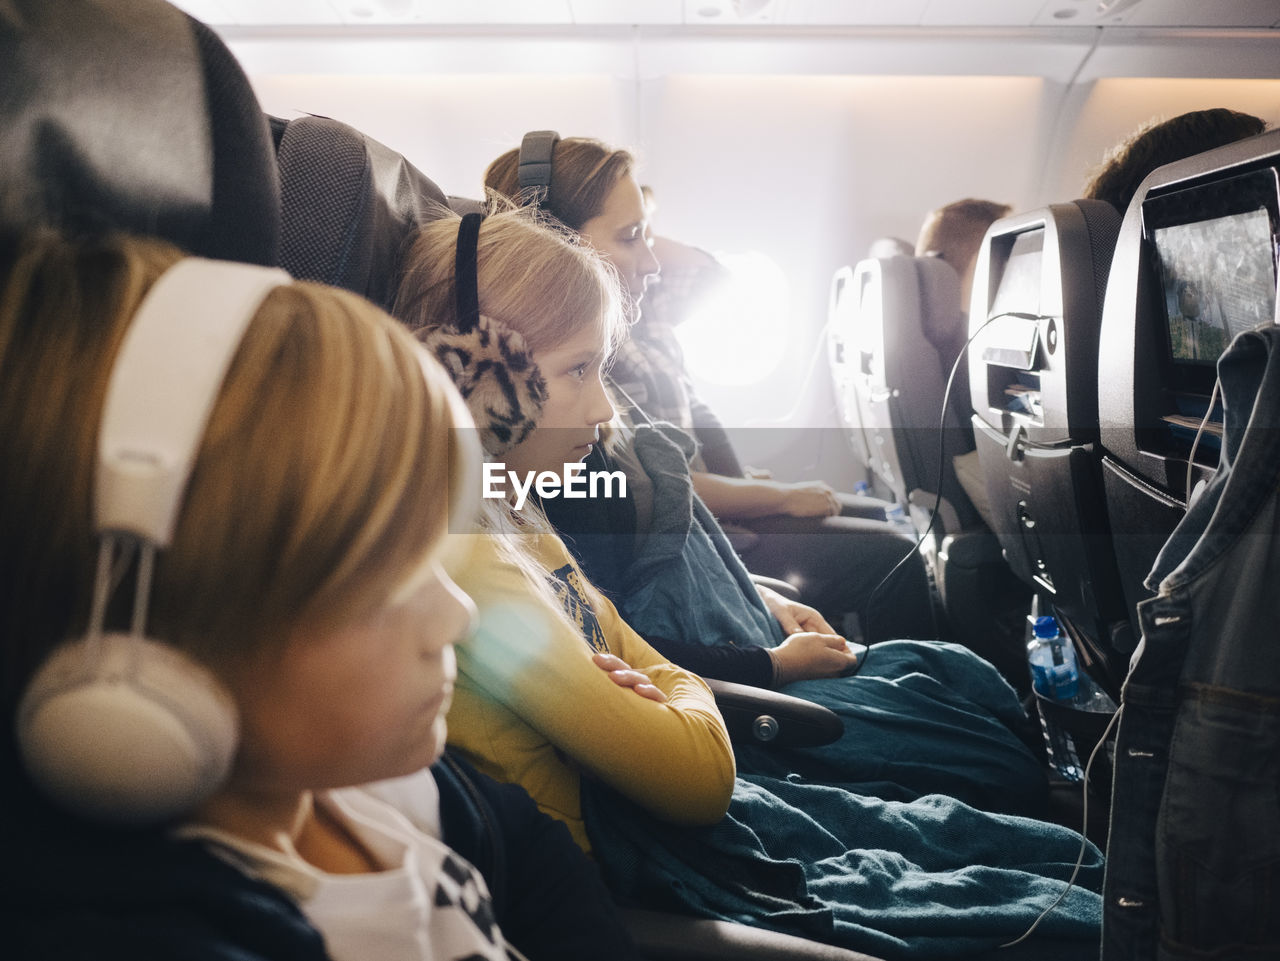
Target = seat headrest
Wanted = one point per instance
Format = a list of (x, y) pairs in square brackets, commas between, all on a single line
[(1102, 224), (942, 316), (348, 205), (131, 115)]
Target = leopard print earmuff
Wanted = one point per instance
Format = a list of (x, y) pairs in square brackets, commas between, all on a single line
[(489, 362)]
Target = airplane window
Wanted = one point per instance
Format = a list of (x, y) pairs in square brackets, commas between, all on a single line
[(739, 336)]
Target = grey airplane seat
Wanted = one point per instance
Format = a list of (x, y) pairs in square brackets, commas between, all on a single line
[(186, 154), (891, 375), (1154, 381), (896, 329), (348, 204), (1037, 307)]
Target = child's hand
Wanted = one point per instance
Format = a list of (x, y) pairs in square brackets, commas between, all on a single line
[(623, 675)]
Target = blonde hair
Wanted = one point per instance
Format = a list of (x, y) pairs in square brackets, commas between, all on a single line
[(583, 173), (537, 280), (323, 482), (533, 278)]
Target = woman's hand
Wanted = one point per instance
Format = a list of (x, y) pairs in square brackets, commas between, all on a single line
[(809, 499), (622, 674), (808, 655), (792, 615)]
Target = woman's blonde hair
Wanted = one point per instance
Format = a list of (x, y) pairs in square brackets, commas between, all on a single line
[(583, 173), (533, 278), (324, 480)]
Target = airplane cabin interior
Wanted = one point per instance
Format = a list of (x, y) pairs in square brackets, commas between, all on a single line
[(1068, 439)]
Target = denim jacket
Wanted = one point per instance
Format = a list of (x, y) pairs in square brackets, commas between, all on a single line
[(1193, 866)]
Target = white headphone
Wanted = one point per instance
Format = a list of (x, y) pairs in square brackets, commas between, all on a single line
[(122, 727)]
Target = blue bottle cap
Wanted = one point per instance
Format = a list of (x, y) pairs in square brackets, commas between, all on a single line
[(1046, 626)]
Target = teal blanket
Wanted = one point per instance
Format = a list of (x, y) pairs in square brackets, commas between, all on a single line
[(921, 717), (931, 878), (852, 843)]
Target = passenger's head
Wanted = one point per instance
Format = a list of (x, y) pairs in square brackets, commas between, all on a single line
[(303, 571), (954, 233), (549, 314), (593, 191), (1157, 143)]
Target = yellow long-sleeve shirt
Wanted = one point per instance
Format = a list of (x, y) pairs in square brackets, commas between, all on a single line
[(531, 707)]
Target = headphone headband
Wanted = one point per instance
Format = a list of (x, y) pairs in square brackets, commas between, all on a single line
[(465, 280), (163, 386), (534, 166)]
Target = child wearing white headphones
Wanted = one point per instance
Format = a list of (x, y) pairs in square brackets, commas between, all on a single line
[(223, 502)]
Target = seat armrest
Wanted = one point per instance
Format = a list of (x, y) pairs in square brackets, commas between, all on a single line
[(972, 548), (759, 716), (784, 588), (676, 937)]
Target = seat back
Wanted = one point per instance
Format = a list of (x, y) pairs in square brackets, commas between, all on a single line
[(845, 359), (349, 204), (890, 361), (132, 115), (1211, 221), (1035, 320), (896, 328)]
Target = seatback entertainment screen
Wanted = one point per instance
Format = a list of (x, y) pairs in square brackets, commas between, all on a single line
[(1219, 279), (1215, 255)]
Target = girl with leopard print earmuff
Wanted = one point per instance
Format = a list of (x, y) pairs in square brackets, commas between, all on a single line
[(545, 297)]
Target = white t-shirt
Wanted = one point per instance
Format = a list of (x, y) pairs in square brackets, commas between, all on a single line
[(427, 904)]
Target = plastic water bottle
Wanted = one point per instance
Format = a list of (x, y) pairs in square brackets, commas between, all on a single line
[(1054, 673), (1055, 677), (896, 515), (862, 488)]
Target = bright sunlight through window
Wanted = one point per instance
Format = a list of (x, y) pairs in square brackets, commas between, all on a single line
[(739, 336)]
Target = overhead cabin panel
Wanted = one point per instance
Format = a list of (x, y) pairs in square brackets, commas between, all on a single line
[(442, 51), (500, 12), (1198, 13), (639, 12), (853, 12), (1052, 55), (291, 13), (1153, 52), (983, 13), (759, 14)]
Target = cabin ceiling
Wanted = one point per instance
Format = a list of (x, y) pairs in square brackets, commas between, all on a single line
[(759, 14)]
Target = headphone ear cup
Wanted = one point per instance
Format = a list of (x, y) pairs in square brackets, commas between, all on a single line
[(126, 729)]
